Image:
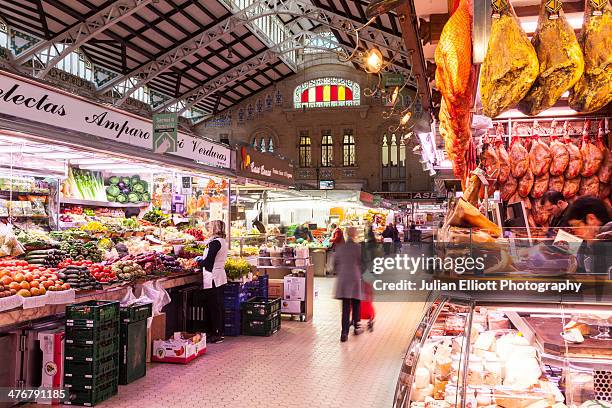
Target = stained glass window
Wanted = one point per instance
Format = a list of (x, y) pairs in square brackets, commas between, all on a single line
[(305, 150), (385, 151), (263, 146), (271, 146), (402, 153), (326, 93), (393, 154), (348, 148), (327, 149)]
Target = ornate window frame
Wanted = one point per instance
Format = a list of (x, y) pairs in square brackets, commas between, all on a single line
[(327, 92)]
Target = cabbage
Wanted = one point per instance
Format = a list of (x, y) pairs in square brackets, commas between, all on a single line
[(138, 187), (133, 197), (121, 198), (135, 179), (114, 180), (145, 197), (125, 180), (112, 191)]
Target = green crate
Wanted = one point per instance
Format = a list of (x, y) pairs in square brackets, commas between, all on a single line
[(260, 307), (90, 369), (86, 334), (93, 312), (90, 383), (91, 352), (91, 397), (135, 313), (132, 351), (261, 327)]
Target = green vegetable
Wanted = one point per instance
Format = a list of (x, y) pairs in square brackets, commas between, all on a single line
[(145, 197), (135, 179), (121, 198), (112, 191), (111, 198), (89, 184), (133, 197), (114, 180), (126, 181), (138, 187)]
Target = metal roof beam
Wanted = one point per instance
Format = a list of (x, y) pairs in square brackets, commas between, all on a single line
[(78, 34), (191, 46)]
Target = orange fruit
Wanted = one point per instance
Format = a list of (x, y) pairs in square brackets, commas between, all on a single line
[(19, 277), (42, 290), (24, 293), (66, 286), (47, 284), (29, 277), (25, 285), (34, 291), (14, 285), (34, 284), (6, 280)]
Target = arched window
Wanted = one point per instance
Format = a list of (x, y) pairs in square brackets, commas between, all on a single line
[(326, 92), (393, 150), (385, 151), (305, 150), (262, 146), (348, 148), (263, 142), (327, 149), (271, 146)]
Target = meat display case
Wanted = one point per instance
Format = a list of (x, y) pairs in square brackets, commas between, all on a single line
[(468, 352)]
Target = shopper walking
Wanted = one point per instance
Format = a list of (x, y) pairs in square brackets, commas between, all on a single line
[(347, 264), (397, 243), (337, 238), (214, 278), (387, 235)]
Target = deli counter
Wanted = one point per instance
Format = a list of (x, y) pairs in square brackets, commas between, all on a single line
[(471, 353)]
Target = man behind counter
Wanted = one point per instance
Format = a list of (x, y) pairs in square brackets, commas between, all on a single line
[(303, 232), (555, 204)]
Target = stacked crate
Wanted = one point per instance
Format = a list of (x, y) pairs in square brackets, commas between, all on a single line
[(261, 316), (233, 296), (133, 342), (91, 352)]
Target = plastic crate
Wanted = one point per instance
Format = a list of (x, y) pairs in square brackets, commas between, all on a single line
[(260, 307), (90, 369), (91, 352), (135, 313), (233, 302), (231, 324), (90, 383), (93, 312), (261, 327), (91, 397), (232, 288), (132, 351), (85, 334)]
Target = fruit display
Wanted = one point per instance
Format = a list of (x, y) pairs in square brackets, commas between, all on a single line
[(173, 235), (46, 257), (187, 263), (128, 270), (193, 250), (103, 273), (79, 250), (93, 226), (197, 233), (124, 189), (17, 277), (78, 277)]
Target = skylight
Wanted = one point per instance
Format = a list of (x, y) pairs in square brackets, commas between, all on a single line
[(324, 41), (141, 94), (4, 34), (74, 63)]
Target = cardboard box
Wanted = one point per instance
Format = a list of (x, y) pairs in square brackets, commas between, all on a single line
[(294, 288), (291, 306), (181, 348), (156, 330), (276, 288), (52, 346)]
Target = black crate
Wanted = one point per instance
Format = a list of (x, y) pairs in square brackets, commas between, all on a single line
[(232, 288), (91, 383), (91, 397), (231, 326), (260, 307), (90, 369), (135, 313), (91, 352), (93, 312), (261, 327), (133, 350), (87, 334)]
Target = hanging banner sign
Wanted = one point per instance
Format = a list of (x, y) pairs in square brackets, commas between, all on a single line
[(265, 167), (165, 127), (393, 79), (34, 102)]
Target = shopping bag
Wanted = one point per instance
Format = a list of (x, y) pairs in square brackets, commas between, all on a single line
[(366, 308)]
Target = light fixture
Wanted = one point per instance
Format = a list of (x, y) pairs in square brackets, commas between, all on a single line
[(394, 95), (406, 118), (373, 61)]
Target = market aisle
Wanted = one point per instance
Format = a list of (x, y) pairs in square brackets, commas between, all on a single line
[(304, 365)]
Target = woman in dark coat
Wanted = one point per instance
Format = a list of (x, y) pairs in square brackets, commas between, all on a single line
[(347, 264)]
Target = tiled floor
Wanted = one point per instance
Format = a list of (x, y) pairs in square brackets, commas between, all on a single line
[(303, 365)]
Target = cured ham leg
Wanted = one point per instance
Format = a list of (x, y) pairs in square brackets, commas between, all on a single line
[(592, 156)]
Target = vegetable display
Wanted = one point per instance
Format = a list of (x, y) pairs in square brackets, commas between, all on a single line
[(155, 215), (85, 184), (79, 250), (46, 257), (17, 277), (127, 189), (128, 270), (235, 268), (79, 277)]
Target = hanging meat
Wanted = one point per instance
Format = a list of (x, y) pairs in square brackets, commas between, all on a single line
[(508, 189), (539, 156), (604, 190), (540, 216), (589, 186), (571, 187), (559, 154), (525, 184), (510, 65), (455, 79), (519, 158), (540, 185), (575, 157), (560, 58), (490, 158), (516, 198), (555, 183), (606, 165), (593, 90), (592, 155), (502, 155)]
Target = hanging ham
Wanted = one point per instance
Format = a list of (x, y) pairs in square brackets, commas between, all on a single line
[(604, 190), (592, 156), (539, 157), (575, 159), (519, 158), (540, 216), (558, 152), (571, 187), (502, 155), (589, 186), (525, 184), (508, 188), (606, 165), (540, 185), (555, 183)]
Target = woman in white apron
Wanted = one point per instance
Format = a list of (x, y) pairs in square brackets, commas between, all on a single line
[(213, 270)]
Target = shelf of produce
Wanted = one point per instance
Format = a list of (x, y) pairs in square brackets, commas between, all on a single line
[(92, 203), (12, 319), (38, 193), (36, 217)]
